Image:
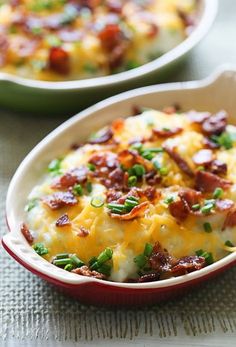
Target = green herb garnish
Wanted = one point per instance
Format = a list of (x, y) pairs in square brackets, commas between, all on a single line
[(40, 249), (97, 201), (218, 192), (207, 227), (78, 190), (54, 167)]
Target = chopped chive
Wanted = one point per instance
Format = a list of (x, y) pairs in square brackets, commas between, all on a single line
[(89, 187), (94, 266), (169, 200), (62, 255), (148, 155), (210, 201), (104, 256), (131, 197), (207, 227), (156, 164), (117, 210), (225, 140), (97, 201), (105, 269), (130, 204), (218, 192), (69, 267), (196, 207), (166, 129), (78, 190), (138, 146), (148, 249), (92, 261), (91, 167), (55, 166), (62, 262), (31, 204), (40, 249), (163, 171), (139, 170), (207, 208), (207, 255), (76, 261), (132, 181), (200, 168), (140, 260), (199, 252), (155, 150), (228, 243), (112, 205)]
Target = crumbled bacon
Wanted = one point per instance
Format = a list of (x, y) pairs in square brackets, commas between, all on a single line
[(108, 160), (218, 167), (188, 264), (207, 182), (72, 177), (203, 157), (104, 137), (113, 195), (208, 143), (215, 124), (182, 164), (149, 277), (59, 200), (190, 196), (128, 158), (230, 220), (59, 60), (85, 271), (26, 233), (160, 260), (166, 133), (179, 209), (152, 178), (224, 204), (82, 232), (137, 211), (63, 221), (198, 117), (150, 193)]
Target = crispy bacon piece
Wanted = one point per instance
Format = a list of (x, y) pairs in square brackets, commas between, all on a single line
[(224, 205), (105, 136), (113, 195), (26, 233), (149, 277), (137, 211), (108, 160), (215, 124), (182, 164), (63, 221), (152, 178), (198, 117), (188, 264), (190, 196), (82, 232), (218, 167), (207, 182), (210, 144), (59, 60), (128, 158), (150, 193), (203, 157), (167, 133), (179, 210), (160, 260), (59, 200), (230, 220), (69, 179), (85, 271)]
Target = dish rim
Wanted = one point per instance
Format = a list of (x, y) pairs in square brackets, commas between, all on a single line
[(21, 250), (207, 19)]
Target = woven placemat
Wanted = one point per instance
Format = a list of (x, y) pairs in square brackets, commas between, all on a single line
[(31, 309)]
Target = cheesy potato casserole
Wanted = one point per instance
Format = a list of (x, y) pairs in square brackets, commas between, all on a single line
[(147, 198), (58, 40)]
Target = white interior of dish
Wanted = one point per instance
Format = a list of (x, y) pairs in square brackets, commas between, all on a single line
[(212, 94), (207, 13)]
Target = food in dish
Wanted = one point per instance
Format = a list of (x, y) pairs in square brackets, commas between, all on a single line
[(147, 198), (67, 40)]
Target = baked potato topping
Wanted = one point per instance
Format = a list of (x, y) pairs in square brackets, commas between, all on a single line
[(56, 40), (146, 198)]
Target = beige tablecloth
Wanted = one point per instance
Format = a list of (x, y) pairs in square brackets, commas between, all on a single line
[(33, 313)]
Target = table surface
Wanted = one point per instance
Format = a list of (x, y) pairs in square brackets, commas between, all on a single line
[(33, 313)]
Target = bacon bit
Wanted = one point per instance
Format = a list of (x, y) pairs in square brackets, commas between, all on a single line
[(59, 200), (150, 193), (63, 221), (179, 210), (85, 271), (136, 110), (207, 182), (230, 220), (82, 232), (203, 157), (105, 136), (75, 146), (26, 233), (150, 277), (224, 205), (182, 164), (69, 179), (152, 178), (160, 260), (215, 124), (113, 195), (166, 133), (118, 124), (210, 144), (128, 158), (218, 167), (108, 160), (198, 117), (190, 196), (137, 211), (59, 60), (188, 264)]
